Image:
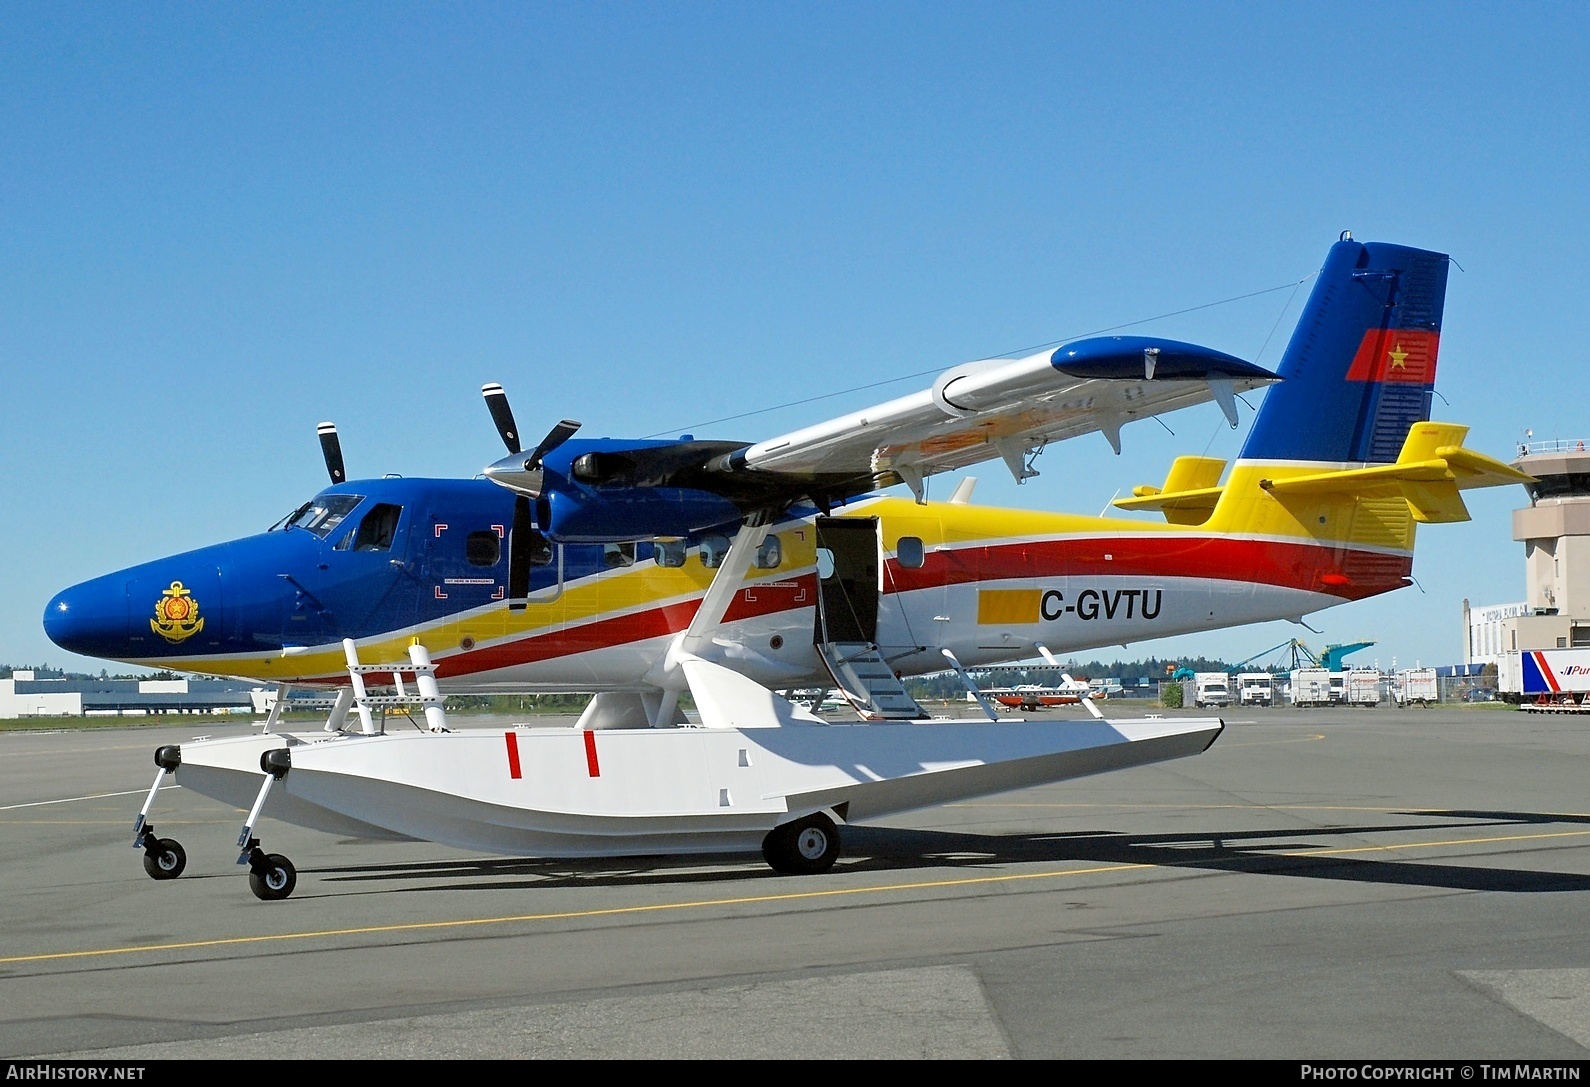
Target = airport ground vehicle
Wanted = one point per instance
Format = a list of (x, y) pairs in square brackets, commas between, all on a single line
[(1211, 689), (1361, 687), (1255, 689), (1418, 687), (1311, 687)]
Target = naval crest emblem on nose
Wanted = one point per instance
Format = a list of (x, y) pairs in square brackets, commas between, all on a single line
[(176, 614)]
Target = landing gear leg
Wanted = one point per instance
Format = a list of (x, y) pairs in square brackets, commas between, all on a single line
[(271, 876), (164, 858)]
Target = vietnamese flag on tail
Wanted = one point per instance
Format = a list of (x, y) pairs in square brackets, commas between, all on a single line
[(1402, 355)]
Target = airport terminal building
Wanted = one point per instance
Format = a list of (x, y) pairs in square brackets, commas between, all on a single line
[(1555, 531), (24, 695)]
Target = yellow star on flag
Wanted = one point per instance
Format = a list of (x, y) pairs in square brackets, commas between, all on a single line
[(1397, 357)]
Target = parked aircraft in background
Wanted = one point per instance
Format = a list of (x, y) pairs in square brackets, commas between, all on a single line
[(640, 570)]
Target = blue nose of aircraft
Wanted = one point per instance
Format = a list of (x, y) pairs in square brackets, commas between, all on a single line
[(90, 619)]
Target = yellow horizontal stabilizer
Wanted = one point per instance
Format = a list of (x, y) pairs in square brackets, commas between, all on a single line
[(1430, 471), (1189, 495)]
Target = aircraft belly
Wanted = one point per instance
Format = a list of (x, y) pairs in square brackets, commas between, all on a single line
[(615, 792)]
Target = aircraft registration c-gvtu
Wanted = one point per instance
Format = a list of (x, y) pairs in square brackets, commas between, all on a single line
[(641, 570)]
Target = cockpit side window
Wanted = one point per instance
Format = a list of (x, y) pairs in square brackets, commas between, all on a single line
[(323, 513), (378, 529)]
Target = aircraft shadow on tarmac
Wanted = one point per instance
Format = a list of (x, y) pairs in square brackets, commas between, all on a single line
[(1282, 852)]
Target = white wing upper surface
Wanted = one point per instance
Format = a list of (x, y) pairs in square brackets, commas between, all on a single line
[(1008, 407)]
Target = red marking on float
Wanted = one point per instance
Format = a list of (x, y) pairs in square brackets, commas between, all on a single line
[(513, 755)]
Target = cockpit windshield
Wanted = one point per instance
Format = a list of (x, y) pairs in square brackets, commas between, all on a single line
[(321, 514)]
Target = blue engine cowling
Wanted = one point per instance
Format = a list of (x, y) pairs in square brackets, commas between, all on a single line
[(570, 513)]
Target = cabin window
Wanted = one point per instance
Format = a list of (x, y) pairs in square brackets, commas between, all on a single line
[(618, 555), (670, 553), (713, 548), (769, 554), (483, 548), (378, 529), (910, 552)]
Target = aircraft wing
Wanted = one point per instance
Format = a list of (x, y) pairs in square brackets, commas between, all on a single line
[(1007, 408), (614, 489)]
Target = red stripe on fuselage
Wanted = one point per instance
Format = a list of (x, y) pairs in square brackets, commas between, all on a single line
[(513, 754), (1353, 574), (591, 766), (1335, 570), (636, 626)]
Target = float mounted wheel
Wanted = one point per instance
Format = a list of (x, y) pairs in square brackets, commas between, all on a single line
[(166, 860), (274, 878), (802, 848)]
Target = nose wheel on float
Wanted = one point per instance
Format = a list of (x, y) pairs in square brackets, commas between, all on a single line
[(271, 876), (164, 858)]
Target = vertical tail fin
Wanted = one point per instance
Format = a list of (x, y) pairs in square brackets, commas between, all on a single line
[(1360, 368)]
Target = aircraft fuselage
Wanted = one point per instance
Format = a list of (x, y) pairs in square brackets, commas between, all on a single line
[(385, 562)]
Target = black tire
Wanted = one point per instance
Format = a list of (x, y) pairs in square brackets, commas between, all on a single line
[(802, 848), (168, 861), (275, 881)]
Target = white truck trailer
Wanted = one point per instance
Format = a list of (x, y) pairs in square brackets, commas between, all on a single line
[(1418, 687), (1311, 687), (1546, 680), (1361, 687)]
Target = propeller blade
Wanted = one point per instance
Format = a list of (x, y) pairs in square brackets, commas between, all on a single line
[(521, 544), (555, 437), (331, 449), (502, 415)]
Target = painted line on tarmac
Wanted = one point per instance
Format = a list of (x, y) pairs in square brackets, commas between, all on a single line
[(1304, 851), (75, 799), (616, 911), (664, 907), (1253, 807)]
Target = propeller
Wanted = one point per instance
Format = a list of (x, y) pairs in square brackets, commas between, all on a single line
[(331, 449), (523, 476)]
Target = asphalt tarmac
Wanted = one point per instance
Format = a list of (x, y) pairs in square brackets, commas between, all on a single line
[(1329, 884)]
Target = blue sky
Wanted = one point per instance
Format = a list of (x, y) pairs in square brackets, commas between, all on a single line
[(222, 224)]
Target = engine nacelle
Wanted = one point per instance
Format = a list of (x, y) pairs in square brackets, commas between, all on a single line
[(570, 513)]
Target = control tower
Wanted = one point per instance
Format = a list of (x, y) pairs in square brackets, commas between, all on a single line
[(1555, 531)]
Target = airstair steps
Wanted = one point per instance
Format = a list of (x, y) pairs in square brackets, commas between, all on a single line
[(866, 681)]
